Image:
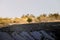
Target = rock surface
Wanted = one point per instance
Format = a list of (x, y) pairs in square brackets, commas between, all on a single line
[(37, 31)]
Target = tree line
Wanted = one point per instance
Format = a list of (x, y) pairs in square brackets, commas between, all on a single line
[(30, 18)]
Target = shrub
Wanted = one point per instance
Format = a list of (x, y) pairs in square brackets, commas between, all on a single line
[(29, 20)]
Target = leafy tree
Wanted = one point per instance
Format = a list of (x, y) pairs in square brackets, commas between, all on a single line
[(56, 15), (50, 15), (29, 20), (32, 16), (43, 15), (38, 18)]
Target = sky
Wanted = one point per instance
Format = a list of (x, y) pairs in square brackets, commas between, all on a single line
[(16, 8)]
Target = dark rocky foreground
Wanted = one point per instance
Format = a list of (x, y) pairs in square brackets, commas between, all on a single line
[(33, 31)]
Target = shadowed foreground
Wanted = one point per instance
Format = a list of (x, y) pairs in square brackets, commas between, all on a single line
[(34, 31)]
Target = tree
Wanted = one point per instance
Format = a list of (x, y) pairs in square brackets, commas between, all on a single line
[(38, 18), (50, 15), (56, 15), (42, 17), (29, 20), (32, 16)]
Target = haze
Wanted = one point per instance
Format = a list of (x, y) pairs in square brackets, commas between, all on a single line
[(16, 8)]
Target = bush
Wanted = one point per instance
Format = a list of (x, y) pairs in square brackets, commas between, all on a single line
[(29, 20)]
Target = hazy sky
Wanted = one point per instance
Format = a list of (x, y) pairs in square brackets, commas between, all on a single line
[(16, 8)]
